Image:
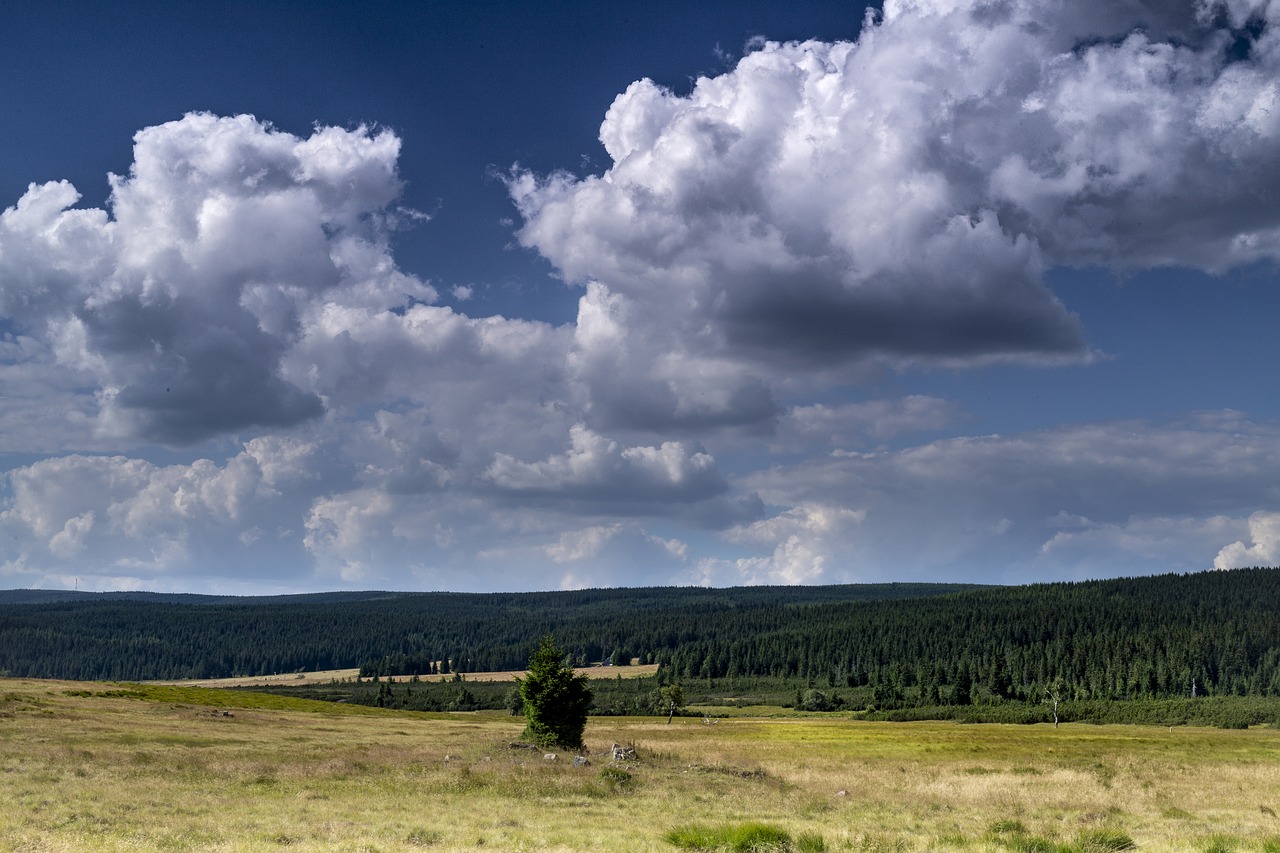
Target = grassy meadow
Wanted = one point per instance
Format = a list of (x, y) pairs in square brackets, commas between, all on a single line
[(149, 767)]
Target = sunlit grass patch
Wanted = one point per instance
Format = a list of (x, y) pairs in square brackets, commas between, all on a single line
[(745, 837)]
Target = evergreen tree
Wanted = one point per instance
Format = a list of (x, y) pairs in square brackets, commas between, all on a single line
[(1000, 683), (555, 700), (962, 692)]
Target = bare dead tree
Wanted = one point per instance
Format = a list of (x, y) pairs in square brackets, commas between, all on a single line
[(1052, 695)]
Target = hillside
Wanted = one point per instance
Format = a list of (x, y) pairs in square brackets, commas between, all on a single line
[(1134, 638), (59, 596), (140, 636)]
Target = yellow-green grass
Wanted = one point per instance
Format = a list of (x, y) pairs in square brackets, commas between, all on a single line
[(118, 767)]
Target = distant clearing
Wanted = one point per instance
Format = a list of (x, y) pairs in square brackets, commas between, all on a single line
[(293, 679), (301, 679)]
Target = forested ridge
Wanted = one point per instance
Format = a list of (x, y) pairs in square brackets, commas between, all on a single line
[(1149, 637), (142, 636)]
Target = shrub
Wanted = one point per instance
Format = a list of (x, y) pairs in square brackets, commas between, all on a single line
[(814, 700)]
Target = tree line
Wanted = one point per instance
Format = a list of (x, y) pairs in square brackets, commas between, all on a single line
[(116, 638), (1168, 636)]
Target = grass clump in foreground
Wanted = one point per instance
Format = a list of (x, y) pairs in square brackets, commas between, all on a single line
[(745, 837), (1013, 835), (1105, 841)]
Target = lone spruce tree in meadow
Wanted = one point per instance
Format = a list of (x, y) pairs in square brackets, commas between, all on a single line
[(555, 700)]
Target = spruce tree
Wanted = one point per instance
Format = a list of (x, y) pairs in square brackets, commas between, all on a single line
[(555, 700)]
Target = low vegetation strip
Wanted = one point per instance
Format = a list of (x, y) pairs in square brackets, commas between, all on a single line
[(1228, 712), (217, 698), (714, 699)]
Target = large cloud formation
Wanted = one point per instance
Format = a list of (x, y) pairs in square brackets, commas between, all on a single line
[(182, 303), (897, 199), (241, 287), (816, 215)]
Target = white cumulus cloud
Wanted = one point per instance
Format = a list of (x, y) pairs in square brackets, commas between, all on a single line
[(897, 199), (182, 300), (1264, 534), (603, 470)]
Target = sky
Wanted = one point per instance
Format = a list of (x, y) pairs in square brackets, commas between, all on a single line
[(507, 296)]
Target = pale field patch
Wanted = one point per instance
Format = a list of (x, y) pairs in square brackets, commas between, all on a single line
[(102, 772), (306, 679)]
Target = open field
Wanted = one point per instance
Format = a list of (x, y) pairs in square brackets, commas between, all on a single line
[(303, 679), (119, 767)]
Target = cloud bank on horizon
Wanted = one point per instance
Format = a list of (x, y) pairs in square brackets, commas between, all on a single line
[(225, 382)]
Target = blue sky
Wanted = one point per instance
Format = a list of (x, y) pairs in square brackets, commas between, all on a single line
[(532, 296)]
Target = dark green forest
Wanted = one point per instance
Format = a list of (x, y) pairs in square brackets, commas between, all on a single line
[(143, 636), (897, 646)]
